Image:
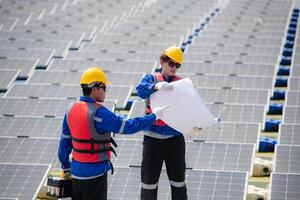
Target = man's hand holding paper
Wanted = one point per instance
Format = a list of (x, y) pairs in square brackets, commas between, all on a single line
[(187, 110)]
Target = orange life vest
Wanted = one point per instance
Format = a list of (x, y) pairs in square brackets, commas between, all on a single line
[(158, 77), (88, 145)]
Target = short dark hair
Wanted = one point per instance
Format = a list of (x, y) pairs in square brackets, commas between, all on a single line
[(86, 91)]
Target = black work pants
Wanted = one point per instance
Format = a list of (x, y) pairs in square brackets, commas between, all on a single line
[(155, 151), (90, 189)]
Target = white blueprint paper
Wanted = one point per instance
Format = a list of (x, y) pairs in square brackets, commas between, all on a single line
[(186, 110)]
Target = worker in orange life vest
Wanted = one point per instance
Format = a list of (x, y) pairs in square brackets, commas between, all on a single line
[(86, 134), (161, 142)]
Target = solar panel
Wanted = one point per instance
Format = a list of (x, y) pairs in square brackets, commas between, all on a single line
[(167, 40), (7, 23), (126, 55), (21, 181), (43, 55), (74, 37), (201, 184), (284, 186), (292, 98), (287, 159), (30, 127), (24, 65), (231, 59), (61, 48), (232, 81), (226, 68), (234, 96), (291, 114), (239, 113), (237, 40), (29, 151), (44, 27), (289, 134), (257, 50), (119, 93), (294, 83), (7, 77), (39, 107), (211, 156), (106, 65), (231, 133), (73, 77)]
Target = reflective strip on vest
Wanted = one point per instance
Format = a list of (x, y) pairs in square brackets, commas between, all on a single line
[(177, 184), (149, 186)]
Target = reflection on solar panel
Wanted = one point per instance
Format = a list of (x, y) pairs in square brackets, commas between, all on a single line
[(284, 186), (231, 133), (201, 184), (234, 96), (106, 65), (225, 68), (116, 78), (24, 65), (7, 77), (21, 181), (289, 134), (212, 156), (29, 151), (30, 127), (291, 115), (39, 107), (287, 159), (119, 93), (292, 98)]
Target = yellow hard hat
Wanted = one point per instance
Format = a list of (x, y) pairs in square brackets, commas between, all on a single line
[(93, 75), (174, 53)]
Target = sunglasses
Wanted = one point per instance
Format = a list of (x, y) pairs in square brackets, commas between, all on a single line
[(173, 64), (98, 86)]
